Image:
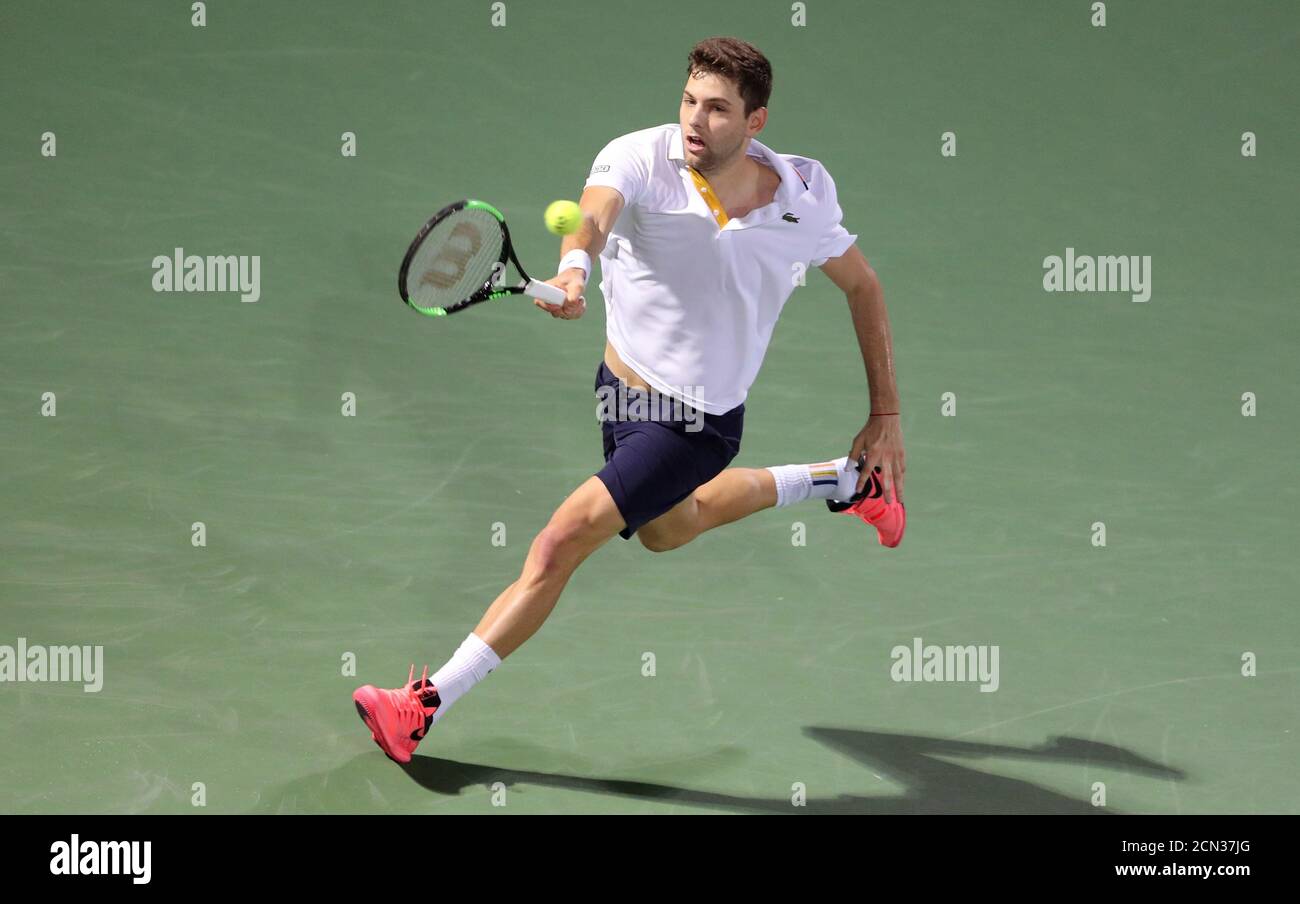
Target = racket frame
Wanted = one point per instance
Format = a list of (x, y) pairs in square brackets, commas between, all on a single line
[(488, 291)]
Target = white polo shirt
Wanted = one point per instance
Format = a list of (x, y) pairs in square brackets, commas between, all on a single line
[(690, 305)]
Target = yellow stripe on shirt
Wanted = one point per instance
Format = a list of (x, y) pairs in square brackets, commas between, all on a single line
[(710, 198)]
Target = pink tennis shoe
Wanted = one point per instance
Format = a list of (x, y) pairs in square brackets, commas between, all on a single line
[(398, 719), (888, 518)]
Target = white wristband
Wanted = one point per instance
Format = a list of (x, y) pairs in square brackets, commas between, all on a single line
[(576, 258)]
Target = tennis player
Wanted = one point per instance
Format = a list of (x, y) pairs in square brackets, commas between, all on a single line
[(703, 233)]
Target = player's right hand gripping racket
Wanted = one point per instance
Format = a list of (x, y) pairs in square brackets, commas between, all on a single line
[(458, 259)]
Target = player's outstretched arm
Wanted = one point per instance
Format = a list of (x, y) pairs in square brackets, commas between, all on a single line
[(600, 207), (881, 439)]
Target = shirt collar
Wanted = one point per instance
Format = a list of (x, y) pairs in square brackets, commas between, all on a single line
[(792, 184)]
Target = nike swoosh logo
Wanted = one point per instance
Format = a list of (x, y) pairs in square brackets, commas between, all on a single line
[(874, 487), (419, 733), (873, 490)]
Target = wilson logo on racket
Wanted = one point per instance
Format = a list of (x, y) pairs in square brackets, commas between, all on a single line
[(446, 269)]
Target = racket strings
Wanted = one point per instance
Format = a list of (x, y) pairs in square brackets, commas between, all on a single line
[(455, 260)]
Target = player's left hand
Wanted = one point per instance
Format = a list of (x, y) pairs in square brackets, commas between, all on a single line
[(880, 443)]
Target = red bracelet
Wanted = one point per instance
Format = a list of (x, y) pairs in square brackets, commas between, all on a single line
[(882, 413)]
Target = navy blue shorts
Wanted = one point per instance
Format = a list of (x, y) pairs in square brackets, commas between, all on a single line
[(651, 465)]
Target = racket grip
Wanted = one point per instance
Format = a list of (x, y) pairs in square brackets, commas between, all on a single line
[(544, 291)]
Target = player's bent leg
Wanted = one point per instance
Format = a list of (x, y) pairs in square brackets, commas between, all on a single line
[(732, 495), (836, 482), (582, 524), (737, 492)]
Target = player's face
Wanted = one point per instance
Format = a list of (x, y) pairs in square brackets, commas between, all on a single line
[(713, 121)]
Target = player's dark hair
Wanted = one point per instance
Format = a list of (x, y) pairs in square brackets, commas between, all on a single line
[(739, 61)]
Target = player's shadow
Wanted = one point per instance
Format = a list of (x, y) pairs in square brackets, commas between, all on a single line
[(919, 763)]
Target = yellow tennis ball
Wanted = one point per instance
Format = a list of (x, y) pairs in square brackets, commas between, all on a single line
[(563, 217)]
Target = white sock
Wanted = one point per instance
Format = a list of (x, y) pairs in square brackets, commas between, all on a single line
[(469, 665), (836, 479)]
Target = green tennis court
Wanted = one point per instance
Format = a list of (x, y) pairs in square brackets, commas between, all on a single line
[(1155, 674)]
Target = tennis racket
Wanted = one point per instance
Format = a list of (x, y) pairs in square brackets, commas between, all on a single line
[(458, 259)]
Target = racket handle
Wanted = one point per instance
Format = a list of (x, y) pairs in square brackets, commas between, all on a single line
[(544, 291)]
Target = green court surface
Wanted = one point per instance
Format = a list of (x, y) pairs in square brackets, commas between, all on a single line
[(372, 535)]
